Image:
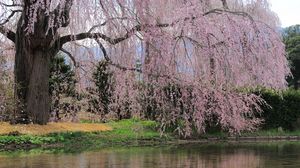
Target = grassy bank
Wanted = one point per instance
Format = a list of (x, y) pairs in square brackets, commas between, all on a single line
[(123, 133), (33, 129), (126, 132), (271, 133)]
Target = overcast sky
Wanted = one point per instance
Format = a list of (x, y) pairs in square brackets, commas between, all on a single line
[(287, 10)]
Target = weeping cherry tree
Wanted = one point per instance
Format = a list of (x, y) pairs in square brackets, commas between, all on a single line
[(207, 48)]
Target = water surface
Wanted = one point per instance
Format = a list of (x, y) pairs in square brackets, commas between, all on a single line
[(218, 155)]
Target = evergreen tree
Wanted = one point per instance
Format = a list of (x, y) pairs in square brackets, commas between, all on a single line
[(61, 86), (102, 93), (292, 42)]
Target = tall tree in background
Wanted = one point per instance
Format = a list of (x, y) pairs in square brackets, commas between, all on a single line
[(214, 46), (292, 41), (102, 92), (61, 86)]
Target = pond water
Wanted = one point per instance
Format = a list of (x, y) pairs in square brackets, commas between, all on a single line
[(218, 155)]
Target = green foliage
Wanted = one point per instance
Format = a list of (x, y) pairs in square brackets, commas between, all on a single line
[(292, 42), (172, 95), (27, 139), (101, 95), (272, 132), (62, 87), (129, 132), (7, 102), (62, 77), (284, 111)]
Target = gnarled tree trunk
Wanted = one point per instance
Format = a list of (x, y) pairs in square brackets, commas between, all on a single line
[(32, 70), (36, 43)]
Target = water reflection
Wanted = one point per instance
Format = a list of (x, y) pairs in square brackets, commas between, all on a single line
[(251, 155)]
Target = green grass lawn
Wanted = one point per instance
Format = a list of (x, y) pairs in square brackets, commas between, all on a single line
[(273, 132), (131, 132), (126, 132)]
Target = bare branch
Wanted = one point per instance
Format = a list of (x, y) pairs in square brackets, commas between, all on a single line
[(11, 5), (220, 11), (132, 31), (125, 68), (110, 40), (8, 33), (10, 16), (105, 22), (103, 50), (70, 56), (109, 61)]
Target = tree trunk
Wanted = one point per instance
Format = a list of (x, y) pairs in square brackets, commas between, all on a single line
[(38, 98), (36, 44), (32, 70)]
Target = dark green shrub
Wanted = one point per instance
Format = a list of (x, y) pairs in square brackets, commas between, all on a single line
[(284, 111), (101, 94), (62, 89), (62, 77), (291, 38)]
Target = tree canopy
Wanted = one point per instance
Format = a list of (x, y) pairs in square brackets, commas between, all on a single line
[(207, 48), (292, 41)]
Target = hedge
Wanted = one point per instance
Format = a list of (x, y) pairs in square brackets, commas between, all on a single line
[(284, 111)]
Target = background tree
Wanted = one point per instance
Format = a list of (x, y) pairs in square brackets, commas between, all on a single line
[(6, 89), (292, 42), (101, 94), (213, 46), (62, 86)]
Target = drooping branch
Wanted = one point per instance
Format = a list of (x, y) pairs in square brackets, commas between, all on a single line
[(105, 22), (10, 16), (113, 41), (110, 62), (8, 33), (69, 55), (225, 5), (132, 31), (103, 50)]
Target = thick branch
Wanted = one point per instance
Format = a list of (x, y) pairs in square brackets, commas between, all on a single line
[(8, 33), (113, 41), (220, 11), (110, 40), (11, 5), (105, 22)]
